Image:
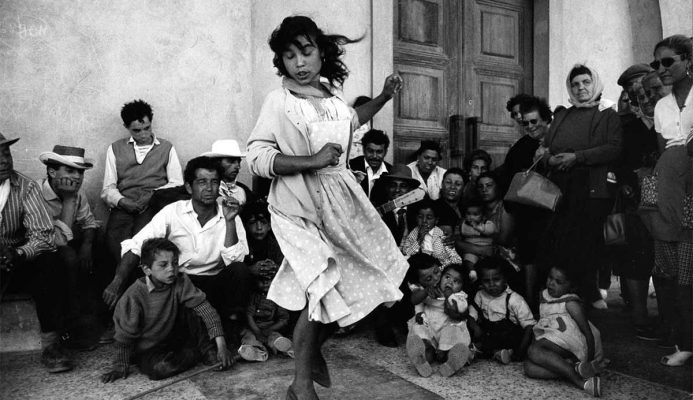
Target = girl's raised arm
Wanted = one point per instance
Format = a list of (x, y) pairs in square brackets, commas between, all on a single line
[(393, 84), (576, 311)]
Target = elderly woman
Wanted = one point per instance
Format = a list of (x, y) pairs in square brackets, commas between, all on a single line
[(583, 141), (426, 170), (673, 121)]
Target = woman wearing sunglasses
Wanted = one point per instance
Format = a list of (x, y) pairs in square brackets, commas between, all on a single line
[(673, 121), (583, 141)]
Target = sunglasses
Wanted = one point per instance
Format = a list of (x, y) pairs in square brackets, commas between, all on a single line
[(531, 121), (666, 62)]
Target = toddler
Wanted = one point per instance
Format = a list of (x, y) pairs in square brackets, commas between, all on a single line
[(476, 230), (265, 319), (153, 319), (433, 334), (566, 343), (427, 238), (501, 318)]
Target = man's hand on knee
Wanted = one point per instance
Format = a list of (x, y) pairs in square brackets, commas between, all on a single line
[(113, 292)]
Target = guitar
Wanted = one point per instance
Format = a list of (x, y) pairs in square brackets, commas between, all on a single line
[(403, 200)]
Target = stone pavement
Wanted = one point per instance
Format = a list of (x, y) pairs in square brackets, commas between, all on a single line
[(361, 369)]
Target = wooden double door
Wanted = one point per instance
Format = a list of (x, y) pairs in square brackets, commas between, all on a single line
[(460, 59)]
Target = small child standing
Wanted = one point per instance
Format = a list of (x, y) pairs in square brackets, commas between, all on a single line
[(427, 238), (433, 334), (566, 343), (264, 256), (155, 319), (501, 318), (476, 230), (265, 320)]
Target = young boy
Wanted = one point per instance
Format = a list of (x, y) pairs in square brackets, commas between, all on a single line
[(501, 321), (265, 256), (153, 318), (427, 238)]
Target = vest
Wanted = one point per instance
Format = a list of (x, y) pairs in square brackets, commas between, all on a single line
[(138, 181)]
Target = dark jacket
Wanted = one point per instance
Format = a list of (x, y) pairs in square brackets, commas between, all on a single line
[(605, 146), (359, 164)]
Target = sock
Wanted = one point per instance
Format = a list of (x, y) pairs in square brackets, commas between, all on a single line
[(49, 338)]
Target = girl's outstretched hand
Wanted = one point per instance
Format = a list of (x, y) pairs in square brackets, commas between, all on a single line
[(393, 84)]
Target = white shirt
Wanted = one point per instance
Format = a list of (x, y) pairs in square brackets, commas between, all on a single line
[(673, 124), (434, 182), (494, 308), (110, 193), (372, 176), (201, 247)]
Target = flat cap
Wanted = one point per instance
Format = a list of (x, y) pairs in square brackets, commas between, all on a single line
[(633, 71)]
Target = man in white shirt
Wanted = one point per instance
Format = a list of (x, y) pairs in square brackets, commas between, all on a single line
[(135, 168), (211, 239), (426, 170), (371, 165)]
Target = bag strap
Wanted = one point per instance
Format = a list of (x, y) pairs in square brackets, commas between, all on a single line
[(534, 165)]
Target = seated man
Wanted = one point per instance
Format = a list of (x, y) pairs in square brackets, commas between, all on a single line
[(27, 255), (74, 223), (135, 168), (371, 165), (211, 239)]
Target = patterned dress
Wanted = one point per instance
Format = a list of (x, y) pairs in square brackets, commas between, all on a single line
[(557, 326), (347, 264)]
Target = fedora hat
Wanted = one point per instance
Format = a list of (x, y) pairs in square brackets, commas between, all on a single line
[(66, 155), (8, 142), (401, 172), (224, 148)]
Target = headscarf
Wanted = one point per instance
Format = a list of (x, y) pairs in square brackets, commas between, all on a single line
[(597, 88)]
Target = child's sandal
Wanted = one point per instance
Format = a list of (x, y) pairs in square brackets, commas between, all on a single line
[(593, 386)]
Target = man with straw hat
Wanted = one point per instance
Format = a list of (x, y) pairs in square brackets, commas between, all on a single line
[(27, 255)]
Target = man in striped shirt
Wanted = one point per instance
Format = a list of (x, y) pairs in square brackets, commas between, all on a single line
[(27, 255)]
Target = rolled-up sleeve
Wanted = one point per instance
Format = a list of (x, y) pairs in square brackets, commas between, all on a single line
[(262, 143), (238, 251)]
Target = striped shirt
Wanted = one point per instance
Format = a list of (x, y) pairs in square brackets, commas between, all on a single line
[(25, 223)]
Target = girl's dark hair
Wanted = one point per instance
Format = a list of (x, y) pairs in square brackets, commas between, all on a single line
[(257, 209), (330, 47), (477, 154), (539, 105), (424, 203), (679, 43), (570, 275), (579, 70), (489, 174), (417, 262)]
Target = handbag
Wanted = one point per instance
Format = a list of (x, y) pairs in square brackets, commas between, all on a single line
[(648, 191), (533, 189), (615, 226)]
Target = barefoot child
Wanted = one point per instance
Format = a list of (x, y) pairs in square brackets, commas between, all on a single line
[(427, 238), (335, 245), (501, 319), (566, 344), (154, 319), (433, 334)]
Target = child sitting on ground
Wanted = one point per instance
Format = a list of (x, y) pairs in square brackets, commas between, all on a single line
[(476, 230), (501, 320), (265, 320), (566, 343), (427, 238), (433, 334), (155, 319), (265, 256)]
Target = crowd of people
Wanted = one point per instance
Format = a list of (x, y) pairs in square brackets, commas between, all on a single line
[(204, 269)]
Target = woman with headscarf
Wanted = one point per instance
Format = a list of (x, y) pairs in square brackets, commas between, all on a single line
[(583, 141)]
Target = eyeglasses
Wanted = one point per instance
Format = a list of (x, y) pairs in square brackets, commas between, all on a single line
[(531, 121), (666, 62)]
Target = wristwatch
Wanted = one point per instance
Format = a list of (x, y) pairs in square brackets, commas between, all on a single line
[(20, 253)]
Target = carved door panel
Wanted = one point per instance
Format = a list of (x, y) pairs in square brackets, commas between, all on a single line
[(460, 57), (497, 65)]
